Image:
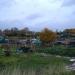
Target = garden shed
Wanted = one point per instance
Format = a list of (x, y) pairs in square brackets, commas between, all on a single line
[(3, 40), (36, 42)]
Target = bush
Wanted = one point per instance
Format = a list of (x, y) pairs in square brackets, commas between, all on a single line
[(7, 53), (58, 50), (25, 49)]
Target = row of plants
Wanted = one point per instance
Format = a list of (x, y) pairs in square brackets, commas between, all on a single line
[(58, 50)]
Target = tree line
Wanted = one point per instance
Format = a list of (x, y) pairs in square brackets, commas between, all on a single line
[(16, 32), (46, 35)]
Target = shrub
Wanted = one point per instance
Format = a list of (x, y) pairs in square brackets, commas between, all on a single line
[(7, 53)]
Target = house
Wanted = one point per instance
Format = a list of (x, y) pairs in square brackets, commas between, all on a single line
[(66, 42), (71, 43)]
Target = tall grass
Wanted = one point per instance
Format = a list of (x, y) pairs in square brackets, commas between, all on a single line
[(33, 64)]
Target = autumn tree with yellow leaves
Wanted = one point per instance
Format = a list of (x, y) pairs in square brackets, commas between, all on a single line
[(47, 36)]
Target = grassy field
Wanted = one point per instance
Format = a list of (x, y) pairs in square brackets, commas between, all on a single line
[(34, 64)]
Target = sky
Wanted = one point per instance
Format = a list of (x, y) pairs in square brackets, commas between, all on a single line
[(37, 14)]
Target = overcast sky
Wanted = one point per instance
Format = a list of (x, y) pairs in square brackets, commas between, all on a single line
[(37, 14)]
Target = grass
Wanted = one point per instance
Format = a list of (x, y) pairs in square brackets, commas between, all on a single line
[(33, 64), (58, 50)]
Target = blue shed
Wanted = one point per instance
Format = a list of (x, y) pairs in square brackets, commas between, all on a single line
[(36, 42), (2, 40)]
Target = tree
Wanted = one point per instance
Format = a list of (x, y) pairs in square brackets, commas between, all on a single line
[(6, 48), (11, 32), (14, 31), (6, 32), (37, 34), (47, 36), (1, 32), (23, 32)]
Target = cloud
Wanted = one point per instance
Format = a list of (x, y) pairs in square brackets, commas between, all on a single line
[(5, 3), (23, 8), (68, 2), (37, 14), (33, 16)]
